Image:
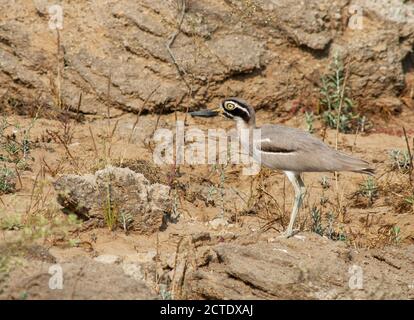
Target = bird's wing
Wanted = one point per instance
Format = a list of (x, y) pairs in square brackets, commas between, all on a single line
[(292, 149), (269, 146), (281, 139)]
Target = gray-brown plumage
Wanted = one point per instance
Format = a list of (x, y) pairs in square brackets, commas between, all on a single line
[(292, 150)]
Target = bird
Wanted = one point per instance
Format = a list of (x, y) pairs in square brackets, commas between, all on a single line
[(288, 149)]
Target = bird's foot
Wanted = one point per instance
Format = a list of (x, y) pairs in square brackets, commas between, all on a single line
[(288, 233)]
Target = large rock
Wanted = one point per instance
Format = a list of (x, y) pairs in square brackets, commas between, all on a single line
[(268, 51), (131, 197), (82, 279), (309, 267)]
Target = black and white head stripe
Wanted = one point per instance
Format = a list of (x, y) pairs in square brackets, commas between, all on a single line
[(236, 108)]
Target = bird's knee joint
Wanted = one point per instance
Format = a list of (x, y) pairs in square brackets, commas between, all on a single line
[(299, 196)]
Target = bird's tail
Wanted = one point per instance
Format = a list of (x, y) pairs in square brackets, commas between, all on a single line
[(348, 163), (370, 171)]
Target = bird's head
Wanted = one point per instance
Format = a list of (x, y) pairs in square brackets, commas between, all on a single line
[(237, 109), (232, 108)]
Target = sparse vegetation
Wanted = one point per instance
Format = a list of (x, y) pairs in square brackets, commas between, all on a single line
[(328, 229), (400, 160), (11, 222), (410, 200), (316, 221), (325, 183), (309, 118), (37, 227), (110, 210), (369, 190), (395, 235), (125, 220), (4, 270), (15, 145), (221, 189), (336, 106), (7, 180)]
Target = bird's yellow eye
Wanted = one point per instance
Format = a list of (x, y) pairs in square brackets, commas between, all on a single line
[(230, 105)]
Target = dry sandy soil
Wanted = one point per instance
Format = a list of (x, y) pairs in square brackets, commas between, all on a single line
[(185, 259)]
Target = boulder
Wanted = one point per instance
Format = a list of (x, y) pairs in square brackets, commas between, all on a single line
[(307, 267), (135, 203), (82, 279)]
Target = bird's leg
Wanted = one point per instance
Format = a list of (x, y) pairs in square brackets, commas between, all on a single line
[(299, 187)]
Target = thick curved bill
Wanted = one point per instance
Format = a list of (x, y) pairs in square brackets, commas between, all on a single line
[(207, 113)]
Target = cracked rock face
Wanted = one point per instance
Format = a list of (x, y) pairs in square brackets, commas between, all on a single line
[(83, 279), (295, 269), (224, 48), (134, 201)]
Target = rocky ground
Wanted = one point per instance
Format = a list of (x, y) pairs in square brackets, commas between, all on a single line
[(81, 195)]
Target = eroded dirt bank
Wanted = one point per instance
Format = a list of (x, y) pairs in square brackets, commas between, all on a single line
[(80, 192)]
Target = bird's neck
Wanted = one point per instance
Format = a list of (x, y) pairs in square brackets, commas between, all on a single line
[(243, 125)]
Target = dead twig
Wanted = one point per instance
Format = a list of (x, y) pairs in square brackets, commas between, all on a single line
[(261, 188), (94, 143), (139, 113), (58, 138), (172, 38), (78, 107), (341, 102), (170, 42), (29, 208), (410, 156), (18, 176)]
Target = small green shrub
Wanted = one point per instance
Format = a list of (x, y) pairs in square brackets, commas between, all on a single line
[(316, 221), (336, 106), (369, 190), (309, 118), (400, 160), (7, 181)]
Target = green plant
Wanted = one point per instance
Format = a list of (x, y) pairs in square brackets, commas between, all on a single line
[(4, 269), (316, 221), (125, 220), (212, 190), (42, 227), (340, 236), (11, 222), (23, 295), (410, 199), (325, 183), (369, 189), (164, 292), (110, 214), (309, 118), (74, 243), (336, 105), (395, 235), (7, 180), (28, 229), (329, 230), (110, 210), (323, 200), (400, 160), (15, 145)]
